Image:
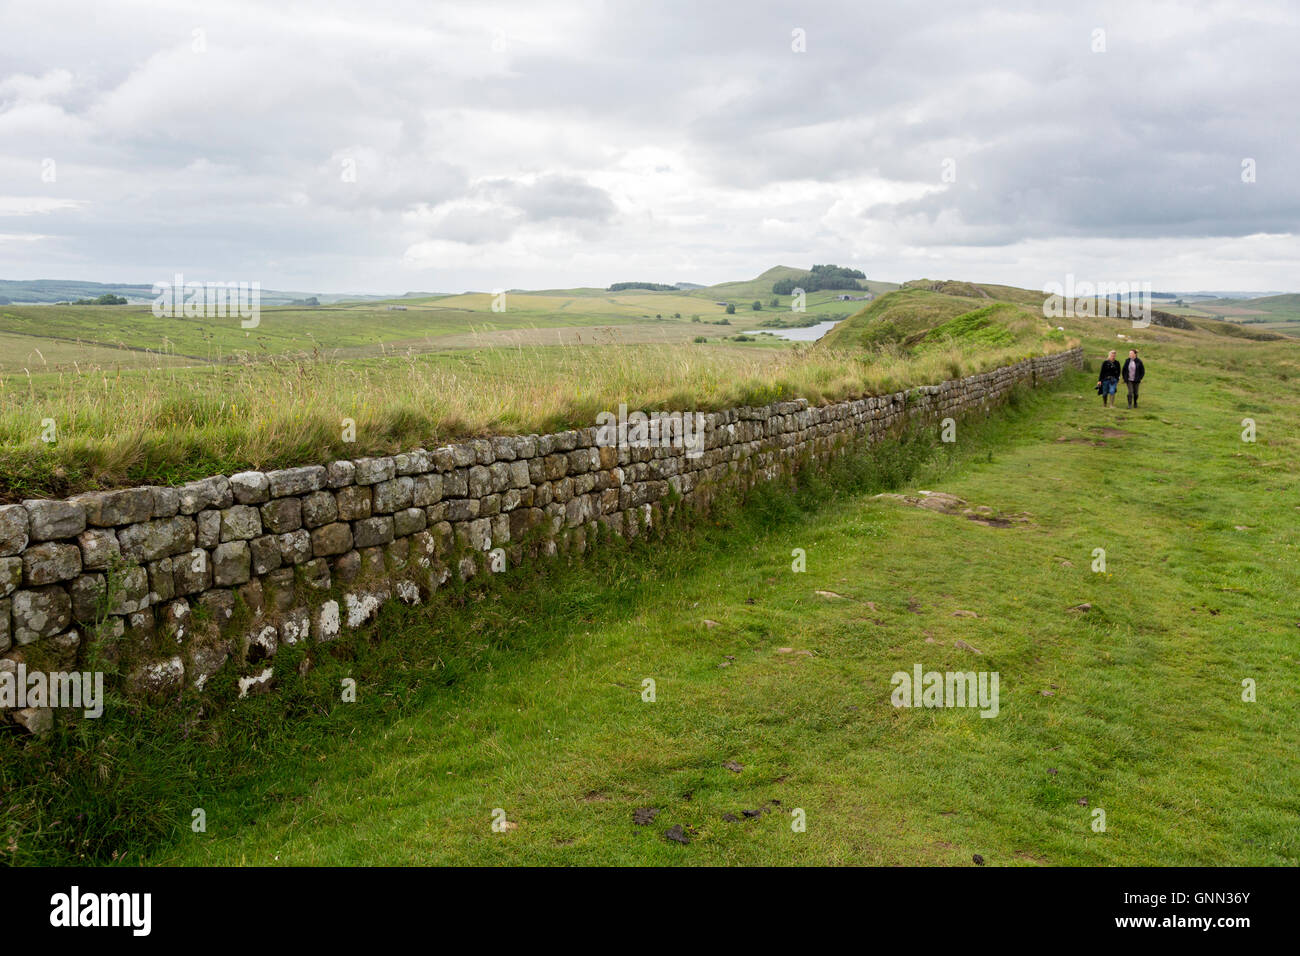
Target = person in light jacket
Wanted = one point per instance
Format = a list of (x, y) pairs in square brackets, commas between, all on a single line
[(1132, 375), (1108, 380)]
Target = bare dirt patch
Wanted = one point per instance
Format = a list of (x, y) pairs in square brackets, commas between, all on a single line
[(945, 503), (1082, 441)]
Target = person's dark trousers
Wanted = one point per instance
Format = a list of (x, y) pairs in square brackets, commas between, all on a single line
[(1132, 393)]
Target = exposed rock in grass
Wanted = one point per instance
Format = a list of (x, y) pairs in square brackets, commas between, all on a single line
[(37, 721), (733, 766), (644, 816), (944, 503)]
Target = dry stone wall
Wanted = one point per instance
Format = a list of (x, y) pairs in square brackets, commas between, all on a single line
[(169, 585)]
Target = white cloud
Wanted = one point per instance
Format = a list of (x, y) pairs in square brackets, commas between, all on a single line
[(34, 205), (491, 144)]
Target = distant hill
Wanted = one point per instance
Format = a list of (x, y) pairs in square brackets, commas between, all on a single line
[(760, 287), (1278, 305), (49, 291), (1278, 313), (38, 291), (822, 278), (926, 313)]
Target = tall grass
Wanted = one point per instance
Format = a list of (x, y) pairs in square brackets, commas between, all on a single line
[(167, 424)]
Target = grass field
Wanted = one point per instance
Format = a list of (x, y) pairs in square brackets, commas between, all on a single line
[(528, 698), (1274, 313), (116, 336), (183, 418)]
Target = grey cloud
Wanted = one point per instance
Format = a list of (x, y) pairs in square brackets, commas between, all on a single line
[(235, 156), (554, 197)]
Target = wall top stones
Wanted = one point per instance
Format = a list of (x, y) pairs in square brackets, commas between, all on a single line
[(38, 520)]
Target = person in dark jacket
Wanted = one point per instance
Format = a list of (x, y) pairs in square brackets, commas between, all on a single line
[(1108, 381), (1132, 375)]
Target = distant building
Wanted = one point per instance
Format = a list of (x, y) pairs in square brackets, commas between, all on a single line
[(723, 304), (397, 308)]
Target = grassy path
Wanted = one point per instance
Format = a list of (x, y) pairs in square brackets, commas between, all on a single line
[(1134, 707)]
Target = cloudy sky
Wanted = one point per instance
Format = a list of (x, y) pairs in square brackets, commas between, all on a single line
[(445, 146)]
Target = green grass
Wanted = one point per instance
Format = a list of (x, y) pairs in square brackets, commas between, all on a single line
[(49, 337), (528, 697), (167, 424)]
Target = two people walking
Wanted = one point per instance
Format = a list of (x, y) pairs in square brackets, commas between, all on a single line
[(1130, 371)]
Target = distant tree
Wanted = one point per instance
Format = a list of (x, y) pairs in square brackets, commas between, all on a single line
[(757, 306), (821, 277), (775, 303), (651, 286), (658, 316), (701, 338), (695, 318), (731, 308)]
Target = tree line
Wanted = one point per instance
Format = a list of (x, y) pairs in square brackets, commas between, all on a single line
[(821, 277)]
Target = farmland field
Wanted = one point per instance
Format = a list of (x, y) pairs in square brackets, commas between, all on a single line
[(346, 331)]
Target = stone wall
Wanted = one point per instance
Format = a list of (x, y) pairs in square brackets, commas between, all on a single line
[(169, 585)]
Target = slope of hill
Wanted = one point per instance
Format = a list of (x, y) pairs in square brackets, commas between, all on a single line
[(1264, 310), (924, 312), (916, 318)]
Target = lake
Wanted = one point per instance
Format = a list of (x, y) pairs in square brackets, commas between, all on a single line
[(809, 333)]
